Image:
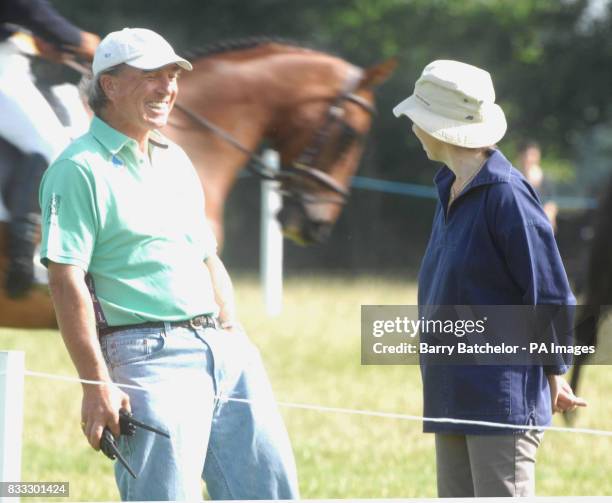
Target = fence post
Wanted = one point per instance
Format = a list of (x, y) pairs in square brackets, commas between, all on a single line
[(12, 367), (271, 240)]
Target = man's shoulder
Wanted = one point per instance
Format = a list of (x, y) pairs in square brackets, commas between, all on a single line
[(76, 161), (160, 140), (171, 154), (81, 151)]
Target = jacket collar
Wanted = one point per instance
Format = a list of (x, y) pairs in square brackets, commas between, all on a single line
[(497, 169)]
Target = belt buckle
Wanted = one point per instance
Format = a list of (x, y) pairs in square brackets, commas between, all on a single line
[(211, 322), (195, 322), (202, 321)]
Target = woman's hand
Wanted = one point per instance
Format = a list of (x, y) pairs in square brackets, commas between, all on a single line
[(561, 395)]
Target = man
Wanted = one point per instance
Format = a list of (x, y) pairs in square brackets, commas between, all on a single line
[(29, 123), (123, 219), (530, 157)]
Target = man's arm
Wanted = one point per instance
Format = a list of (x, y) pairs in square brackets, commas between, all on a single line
[(76, 320), (224, 292)]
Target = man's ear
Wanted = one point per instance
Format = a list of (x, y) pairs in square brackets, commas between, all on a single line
[(109, 85)]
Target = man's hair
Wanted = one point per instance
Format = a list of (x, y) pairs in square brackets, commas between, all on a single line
[(96, 97)]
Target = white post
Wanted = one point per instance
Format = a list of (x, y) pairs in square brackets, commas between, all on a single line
[(271, 243), (12, 367)]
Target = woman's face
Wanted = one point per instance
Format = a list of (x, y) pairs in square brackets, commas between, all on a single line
[(431, 145)]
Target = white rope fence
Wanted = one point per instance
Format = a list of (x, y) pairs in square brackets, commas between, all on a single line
[(360, 412), (12, 379)]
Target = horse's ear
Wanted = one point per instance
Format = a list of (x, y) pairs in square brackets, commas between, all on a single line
[(377, 74)]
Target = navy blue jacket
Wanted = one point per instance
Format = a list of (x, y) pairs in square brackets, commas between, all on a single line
[(494, 247), (41, 18)]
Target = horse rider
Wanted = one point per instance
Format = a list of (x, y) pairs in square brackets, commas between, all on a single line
[(28, 122)]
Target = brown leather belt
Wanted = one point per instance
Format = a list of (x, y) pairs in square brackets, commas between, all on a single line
[(201, 321)]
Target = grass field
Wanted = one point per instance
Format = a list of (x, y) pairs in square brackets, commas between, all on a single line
[(312, 352)]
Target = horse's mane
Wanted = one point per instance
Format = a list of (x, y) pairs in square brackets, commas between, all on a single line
[(241, 44)]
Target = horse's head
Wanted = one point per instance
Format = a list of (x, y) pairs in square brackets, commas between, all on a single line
[(320, 140), (314, 108)]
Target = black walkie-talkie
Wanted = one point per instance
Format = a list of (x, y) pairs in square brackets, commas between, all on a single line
[(127, 426)]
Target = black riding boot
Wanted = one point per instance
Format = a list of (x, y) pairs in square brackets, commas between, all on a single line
[(23, 230)]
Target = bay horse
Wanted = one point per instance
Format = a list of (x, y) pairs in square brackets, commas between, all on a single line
[(597, 300), (314, 108)]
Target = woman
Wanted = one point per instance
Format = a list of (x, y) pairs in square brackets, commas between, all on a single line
[(491, 244)]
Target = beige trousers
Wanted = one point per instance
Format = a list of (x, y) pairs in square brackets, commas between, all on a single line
[(486, 465)]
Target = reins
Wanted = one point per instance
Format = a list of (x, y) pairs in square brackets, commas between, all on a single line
[(262, 170)]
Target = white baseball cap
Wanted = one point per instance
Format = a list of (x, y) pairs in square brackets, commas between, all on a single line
[(455, 103), (137, 47)]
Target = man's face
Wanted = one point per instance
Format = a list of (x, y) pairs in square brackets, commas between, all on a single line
[(531, 156), (140, 100)]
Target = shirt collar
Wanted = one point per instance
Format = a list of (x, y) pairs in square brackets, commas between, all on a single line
[(113, 140), (157, 139)]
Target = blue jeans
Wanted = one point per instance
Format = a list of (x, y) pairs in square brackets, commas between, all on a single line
[(241, 450)]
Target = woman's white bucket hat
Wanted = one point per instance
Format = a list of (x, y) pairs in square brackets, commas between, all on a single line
[(455, 103)]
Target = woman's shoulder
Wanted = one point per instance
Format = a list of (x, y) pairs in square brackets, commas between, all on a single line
[(514, 188), (514, 202), (505, 181)]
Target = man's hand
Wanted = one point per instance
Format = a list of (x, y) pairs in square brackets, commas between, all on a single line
[(89, 42), (224, 292), (100, 408), (60, 55), (87, 48), (232, 326), (561, 395), (48, 51)]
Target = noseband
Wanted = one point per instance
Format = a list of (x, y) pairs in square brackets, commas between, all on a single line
[(304, 167)]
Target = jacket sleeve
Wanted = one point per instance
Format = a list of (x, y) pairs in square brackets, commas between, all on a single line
[(526, 239), (43, 20)]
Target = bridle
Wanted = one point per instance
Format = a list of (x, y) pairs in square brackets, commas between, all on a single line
[(304, 167)]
